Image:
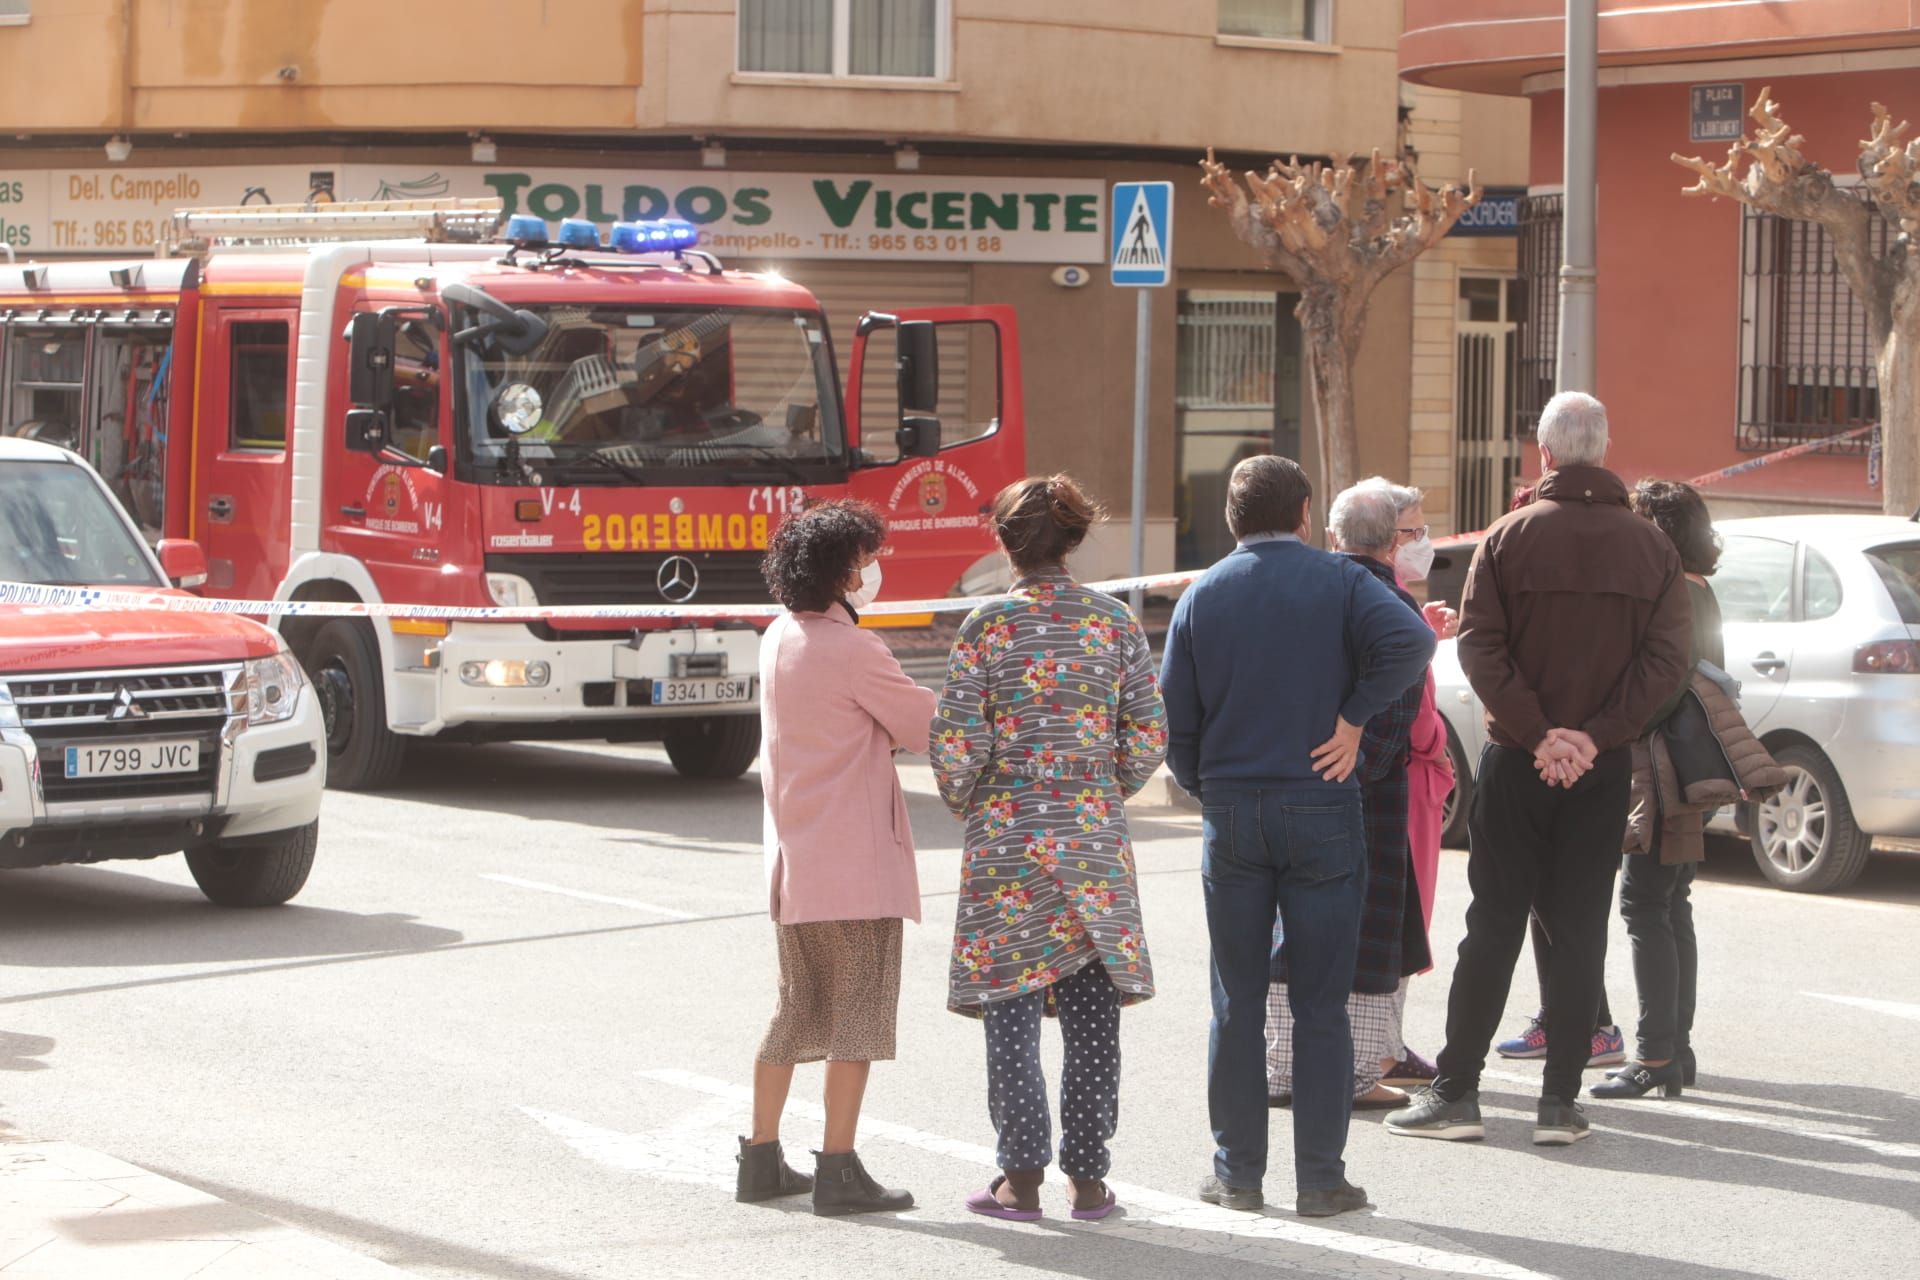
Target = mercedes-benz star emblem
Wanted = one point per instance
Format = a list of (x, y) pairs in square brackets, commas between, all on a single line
[(678, 579), (125, 707)]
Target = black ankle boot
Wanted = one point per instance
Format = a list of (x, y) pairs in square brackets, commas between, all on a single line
[(842, 1185), (764, 1174), (1689, 1068)]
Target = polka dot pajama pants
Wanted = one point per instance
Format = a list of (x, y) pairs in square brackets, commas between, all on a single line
[(1089, 1009)]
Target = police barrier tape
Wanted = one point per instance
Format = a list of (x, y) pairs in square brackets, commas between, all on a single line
[(33, 594)]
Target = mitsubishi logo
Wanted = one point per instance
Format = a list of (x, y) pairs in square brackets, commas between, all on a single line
[(678, 579), (126, 707)]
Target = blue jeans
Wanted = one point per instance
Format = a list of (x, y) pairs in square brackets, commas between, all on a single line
[(1300, 851)]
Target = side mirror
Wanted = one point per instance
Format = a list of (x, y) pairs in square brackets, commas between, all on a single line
[(184, 561), (366, 430), (918, 365), (437, 459), (370, 358)]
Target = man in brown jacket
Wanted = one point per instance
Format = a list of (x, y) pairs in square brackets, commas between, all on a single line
[(1573, 630)]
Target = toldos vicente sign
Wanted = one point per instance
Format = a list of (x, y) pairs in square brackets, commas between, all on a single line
[(743, 215)]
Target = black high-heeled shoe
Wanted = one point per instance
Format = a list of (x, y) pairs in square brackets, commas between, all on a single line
[(1689, 1068), (1637, 1080)]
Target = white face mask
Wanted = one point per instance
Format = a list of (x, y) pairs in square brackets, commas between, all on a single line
[(1415, 559), (869, 589)]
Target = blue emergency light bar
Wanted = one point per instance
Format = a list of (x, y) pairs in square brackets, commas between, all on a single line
[(659, 235), (526, 230), (579, 233)]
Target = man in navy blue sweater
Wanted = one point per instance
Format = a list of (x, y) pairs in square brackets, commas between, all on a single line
[(1276, 659)]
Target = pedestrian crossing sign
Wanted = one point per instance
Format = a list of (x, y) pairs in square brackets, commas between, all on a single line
[(1142, 233)]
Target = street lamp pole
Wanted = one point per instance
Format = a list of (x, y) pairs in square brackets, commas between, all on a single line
[(1580, 100)]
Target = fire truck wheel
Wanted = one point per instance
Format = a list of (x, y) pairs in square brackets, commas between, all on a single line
[(714, 747), (344, 665), (255, 875)]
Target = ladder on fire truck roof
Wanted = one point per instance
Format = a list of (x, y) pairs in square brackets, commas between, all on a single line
[(195, 231)]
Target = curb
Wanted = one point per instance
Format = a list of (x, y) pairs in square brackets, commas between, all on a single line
[(69, 1212)]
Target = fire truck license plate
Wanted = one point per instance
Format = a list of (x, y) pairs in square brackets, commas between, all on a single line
[(122, 761), (711, 690)]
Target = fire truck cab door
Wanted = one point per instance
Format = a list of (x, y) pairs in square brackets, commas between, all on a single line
[(241, 493), (935, 506)]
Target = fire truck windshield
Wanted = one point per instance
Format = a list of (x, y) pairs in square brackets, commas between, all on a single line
[(618, 394)]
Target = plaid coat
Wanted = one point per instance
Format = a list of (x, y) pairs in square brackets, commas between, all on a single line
[(1393, 939)]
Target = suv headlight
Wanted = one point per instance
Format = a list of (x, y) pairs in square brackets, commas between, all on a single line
[(511, 591), (273, 688)]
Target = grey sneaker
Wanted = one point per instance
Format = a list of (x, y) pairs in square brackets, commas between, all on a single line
[(1214, 1191), (1559, 1123), (1432, 1116)]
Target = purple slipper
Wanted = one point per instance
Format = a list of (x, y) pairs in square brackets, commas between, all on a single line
[(987, 1205), (1098, 1211)]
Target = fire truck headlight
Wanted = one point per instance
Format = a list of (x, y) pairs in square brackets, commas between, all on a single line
[(506, 673), (511, 591), (273, 688), (517, 407)]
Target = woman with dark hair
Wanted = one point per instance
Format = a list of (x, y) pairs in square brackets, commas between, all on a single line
[(834, 707), (1051, 719), (1656, 889)]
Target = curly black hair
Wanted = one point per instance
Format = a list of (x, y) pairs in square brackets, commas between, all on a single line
[(1681, 513), (812, 553)]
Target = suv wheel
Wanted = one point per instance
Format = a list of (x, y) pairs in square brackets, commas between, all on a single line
[(344, 664), (1804, 837), (254, 873), (714, 746)]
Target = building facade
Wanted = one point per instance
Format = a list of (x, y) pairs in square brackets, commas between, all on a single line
[(885, 154), (1724, 335)]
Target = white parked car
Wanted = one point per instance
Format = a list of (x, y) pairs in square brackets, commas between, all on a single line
[(135, 733), (1822, 619)]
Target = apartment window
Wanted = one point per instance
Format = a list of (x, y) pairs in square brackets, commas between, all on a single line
[(1806, 356), (1308, 20), (15, 13), (905, 39)]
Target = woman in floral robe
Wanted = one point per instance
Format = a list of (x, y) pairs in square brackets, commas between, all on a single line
[(1051, 719)]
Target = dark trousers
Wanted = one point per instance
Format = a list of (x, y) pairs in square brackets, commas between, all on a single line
[(1089, 1009), (1548, 849), (1657, 904), (1300, 852), (1543, 961)]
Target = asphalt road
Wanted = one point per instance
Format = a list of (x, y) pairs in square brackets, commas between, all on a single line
[(507, 1029)]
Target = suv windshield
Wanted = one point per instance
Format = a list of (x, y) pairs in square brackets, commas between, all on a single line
[(619, 394), (60, 529)]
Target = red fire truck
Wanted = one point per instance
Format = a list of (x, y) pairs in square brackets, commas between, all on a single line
[(400, 402)]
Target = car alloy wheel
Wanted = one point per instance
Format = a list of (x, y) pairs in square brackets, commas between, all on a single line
[(1793, 826)]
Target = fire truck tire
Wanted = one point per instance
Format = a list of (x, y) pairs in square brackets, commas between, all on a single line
[(715, 746), (344, 664), (255, 874)]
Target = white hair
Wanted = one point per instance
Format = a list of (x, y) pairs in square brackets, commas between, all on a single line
[(1405, 497), (1364, 517), (1574, 427)]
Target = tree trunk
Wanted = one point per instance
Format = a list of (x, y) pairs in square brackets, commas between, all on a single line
[(1330, 361), (1899, 375)]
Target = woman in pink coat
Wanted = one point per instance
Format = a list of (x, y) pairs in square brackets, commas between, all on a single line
[(834, 707)]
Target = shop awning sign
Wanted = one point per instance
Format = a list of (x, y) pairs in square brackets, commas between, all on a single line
[(1142, 254)]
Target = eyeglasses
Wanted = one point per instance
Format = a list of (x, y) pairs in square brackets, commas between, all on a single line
[(1414, 534)]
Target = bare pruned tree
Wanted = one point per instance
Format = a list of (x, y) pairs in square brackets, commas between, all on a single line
[(1769, 172), (1336, 230)]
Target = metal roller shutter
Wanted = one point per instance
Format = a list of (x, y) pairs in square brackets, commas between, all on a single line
[(848, 290)]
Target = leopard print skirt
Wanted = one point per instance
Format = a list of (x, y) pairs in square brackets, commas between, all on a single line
[(839, 992)]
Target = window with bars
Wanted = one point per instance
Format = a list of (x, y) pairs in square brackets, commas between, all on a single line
[(1535, 310), (900, 38), (1806, 356)]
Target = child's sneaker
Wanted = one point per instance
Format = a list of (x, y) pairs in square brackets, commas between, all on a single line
[(1609, 1048), (1532, 1043)]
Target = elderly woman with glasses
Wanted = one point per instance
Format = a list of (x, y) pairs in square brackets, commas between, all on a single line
[(1365, 523)]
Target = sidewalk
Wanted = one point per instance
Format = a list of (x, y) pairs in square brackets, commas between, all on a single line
[(67, 1213)]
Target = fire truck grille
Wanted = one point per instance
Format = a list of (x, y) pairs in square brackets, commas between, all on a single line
[(128, 700), (724, 577)]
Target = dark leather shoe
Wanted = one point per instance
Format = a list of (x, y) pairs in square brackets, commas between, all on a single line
[(1214, 1191), (1637, 1080), (764, 1174), (841, 1185), (1327, 1202)]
